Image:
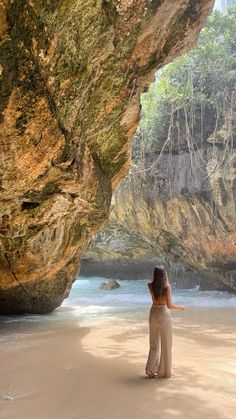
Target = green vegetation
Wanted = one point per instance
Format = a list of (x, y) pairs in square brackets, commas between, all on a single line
[(196, 92)]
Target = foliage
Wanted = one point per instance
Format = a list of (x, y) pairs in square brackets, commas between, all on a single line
[(198, 82), (220, 248)]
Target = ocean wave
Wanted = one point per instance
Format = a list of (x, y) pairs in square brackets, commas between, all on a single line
[(212, 299), (133, 293), (87, 302)]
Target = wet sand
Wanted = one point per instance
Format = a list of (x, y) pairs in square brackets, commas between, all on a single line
[(69, 371)]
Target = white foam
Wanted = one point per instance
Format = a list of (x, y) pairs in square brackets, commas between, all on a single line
[(135, 293), (88, 303), (207, 299)]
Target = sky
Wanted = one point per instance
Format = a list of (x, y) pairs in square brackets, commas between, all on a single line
[(220, 3)]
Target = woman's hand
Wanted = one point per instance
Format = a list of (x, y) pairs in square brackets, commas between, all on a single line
[(182, 308)]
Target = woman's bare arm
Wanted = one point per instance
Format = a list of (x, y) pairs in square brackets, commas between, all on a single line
[(169, 303)]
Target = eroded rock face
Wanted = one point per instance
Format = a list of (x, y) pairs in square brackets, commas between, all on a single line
[(71, 76), (181, 213)]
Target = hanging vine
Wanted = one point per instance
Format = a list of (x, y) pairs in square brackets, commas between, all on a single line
[(192, 104)]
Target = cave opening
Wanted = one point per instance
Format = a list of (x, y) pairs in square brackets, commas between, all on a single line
[(170, 206)]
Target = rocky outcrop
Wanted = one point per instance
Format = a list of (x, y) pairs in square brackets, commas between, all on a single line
[(71, 76), (110, 285), (177, 207)]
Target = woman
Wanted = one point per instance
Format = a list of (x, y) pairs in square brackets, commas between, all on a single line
[(160, 327)]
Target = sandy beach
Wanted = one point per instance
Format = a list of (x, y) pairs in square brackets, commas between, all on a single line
[(72, 372)]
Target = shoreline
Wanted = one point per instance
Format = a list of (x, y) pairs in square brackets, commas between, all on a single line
[(69, 371), (183, 276)]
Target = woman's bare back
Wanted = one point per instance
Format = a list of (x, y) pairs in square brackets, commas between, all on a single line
[(165, 299), (157, 301)]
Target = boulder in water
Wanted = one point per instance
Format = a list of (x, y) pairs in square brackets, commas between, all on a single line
[(110, 285)]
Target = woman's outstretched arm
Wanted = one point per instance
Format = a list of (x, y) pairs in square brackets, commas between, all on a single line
[(169, 303)]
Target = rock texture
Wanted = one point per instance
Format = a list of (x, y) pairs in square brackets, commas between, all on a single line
[(71, 74), (173, 208), (110, 285)]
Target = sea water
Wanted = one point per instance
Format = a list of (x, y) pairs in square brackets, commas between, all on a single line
[(132, 299), (88, 304)]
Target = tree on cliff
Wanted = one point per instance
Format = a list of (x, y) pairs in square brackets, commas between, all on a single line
[(196, 88)]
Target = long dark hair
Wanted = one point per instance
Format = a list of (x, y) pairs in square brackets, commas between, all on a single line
[(160, 282)]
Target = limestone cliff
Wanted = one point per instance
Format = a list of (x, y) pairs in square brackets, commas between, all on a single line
[(71, 74), (177, 207)]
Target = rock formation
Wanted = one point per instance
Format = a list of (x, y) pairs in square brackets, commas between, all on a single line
[(110, 285), (71, 74), (177, 213)]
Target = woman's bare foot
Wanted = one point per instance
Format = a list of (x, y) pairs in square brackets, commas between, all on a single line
[(150, 374)]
